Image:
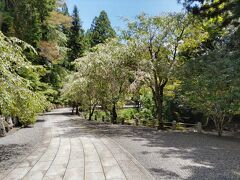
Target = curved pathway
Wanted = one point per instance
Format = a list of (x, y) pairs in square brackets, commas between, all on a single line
[(72, 151), (62, 146)]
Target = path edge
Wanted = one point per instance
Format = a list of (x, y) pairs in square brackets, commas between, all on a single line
[(134, 160)]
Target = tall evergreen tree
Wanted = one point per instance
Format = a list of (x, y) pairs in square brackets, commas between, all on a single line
[(64, 9), (27, 25), (76, 39), (101, 29), (26, 19)]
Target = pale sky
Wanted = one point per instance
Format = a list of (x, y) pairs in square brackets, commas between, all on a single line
[(116, 9)]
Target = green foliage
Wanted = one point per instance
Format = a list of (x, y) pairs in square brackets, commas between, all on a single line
[(147, 101), (212, 85), (100, 30), (64, 9), (127, 114), (26, 19), (102, 77), (99, 115), (76, 43), (19, 82), (157, 43), (210, 78), (146, 114), (224, 12), (159, 55)]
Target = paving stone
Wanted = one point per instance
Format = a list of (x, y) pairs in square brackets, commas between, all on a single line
[(39, 166), (18, 173), (121, 157), (116, 150), (47, 158), (76, 163), (85, 157), (76, 156), (93, 166), (91, 157), (63, 153), (53, 178), (56, 171), (61, 160), (109, 161), (74, 174), (34, 175), (94, 176), (113, 172)]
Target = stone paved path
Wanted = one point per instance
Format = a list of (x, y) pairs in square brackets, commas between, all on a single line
[(75, 152)]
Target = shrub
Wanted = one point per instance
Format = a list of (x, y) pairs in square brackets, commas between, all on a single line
[(99, 114), (127, 115), (146, 114)]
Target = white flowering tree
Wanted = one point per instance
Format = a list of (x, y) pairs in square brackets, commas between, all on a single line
[(19, 81), (104, 74)]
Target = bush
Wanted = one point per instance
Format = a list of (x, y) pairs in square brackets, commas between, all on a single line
[(146, 114), (126, 115), (180, 127), (151, 123), (99, 115), (29, 106)]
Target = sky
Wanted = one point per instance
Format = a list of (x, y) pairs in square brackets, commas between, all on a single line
[(117, 10)]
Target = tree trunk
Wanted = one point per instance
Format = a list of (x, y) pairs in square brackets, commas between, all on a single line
[(158, 99), (157, 90), (91, 111), (73, 110), (219, 121), (114, 114), (90, 115), (77, 110), (220, 133), (220, 127)]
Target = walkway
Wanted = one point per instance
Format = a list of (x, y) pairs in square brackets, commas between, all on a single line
[(71, 151), (62, 146)]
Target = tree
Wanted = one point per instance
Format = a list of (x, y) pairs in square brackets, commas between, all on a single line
[(76, 40), (216, 97), (101, 29), (157, 43), (102, 77), (65, 9), (73, 92), (211, 84), (20, 89), (27, 25), (27, 19), (40, 24), (224, 11)]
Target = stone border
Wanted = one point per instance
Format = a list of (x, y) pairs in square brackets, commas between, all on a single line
[(134, 160)]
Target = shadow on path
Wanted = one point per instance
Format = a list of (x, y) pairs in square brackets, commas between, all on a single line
[(168, 155)]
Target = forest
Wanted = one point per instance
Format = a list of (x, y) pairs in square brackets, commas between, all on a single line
[(182, 67)]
